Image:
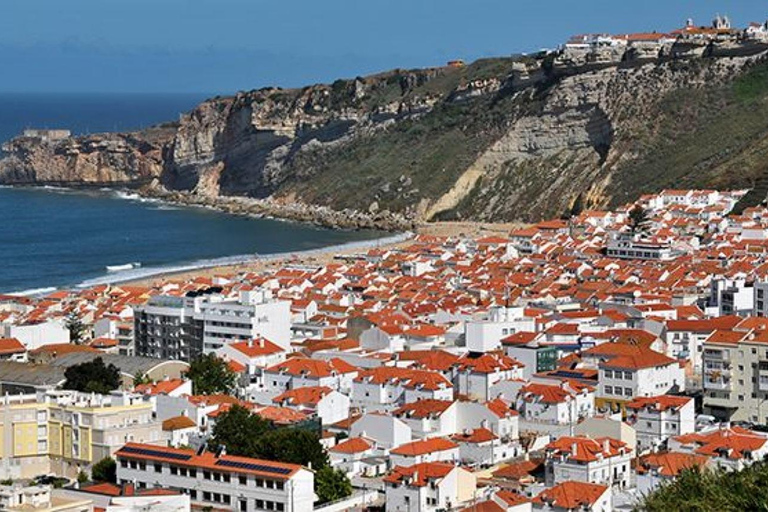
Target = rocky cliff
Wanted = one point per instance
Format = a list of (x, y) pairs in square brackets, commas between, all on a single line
[(500, 139)]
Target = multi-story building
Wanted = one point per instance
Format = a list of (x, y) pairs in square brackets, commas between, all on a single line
[(536, 358), (204, 321), (485, 334), (602, 461), (63, 432), (429, 487), (628, 371), (166, 328), (735, 375), (217, 480), (657, 418)]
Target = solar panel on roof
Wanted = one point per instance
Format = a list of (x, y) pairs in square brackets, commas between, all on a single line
[(155, 453), (254, 467)]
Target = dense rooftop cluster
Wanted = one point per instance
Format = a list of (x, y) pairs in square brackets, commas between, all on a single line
[(575, 363)]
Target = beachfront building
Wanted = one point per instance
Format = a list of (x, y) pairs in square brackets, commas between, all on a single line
[(63, 432), (203, 321), (216, 480)]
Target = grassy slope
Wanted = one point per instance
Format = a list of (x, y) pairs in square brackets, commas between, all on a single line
[(713, 137)]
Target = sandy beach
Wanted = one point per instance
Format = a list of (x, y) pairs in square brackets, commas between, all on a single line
[(323, 257)]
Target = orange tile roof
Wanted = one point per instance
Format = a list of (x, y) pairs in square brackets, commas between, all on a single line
[(178, 423), (419, 475), (571, 495), (476, 436), (586, 449), (423, 408), (207, 460), (10, 346), (257, 348), (353, 445), (309, 395), (659, 403), (162, 387), (423, 447), (670, 464)]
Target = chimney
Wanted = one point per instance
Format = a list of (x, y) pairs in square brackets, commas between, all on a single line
[(606, 445), (574, 448), (261, 342), (250, 343)]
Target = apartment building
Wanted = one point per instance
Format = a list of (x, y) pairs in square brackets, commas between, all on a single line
[(63, 432), (218, 481), (204, 321), (657, 418), (735, 380), (602, 461)]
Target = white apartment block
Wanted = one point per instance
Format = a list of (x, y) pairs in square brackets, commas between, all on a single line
[(602, 461), (218, 481), (656, 419)]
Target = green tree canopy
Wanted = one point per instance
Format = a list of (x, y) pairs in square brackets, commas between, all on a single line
[(105, 470), (638, 219), (331, 485), (210, 375), (702, 490), (249, 435), (76, 328), (92, 377), (239, 431)]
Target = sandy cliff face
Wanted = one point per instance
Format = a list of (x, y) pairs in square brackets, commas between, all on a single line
[(497, 140)]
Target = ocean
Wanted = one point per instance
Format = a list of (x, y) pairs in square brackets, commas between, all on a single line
[(54, 238)]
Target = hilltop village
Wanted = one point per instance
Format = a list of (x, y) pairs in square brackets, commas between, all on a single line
[(573, 364)]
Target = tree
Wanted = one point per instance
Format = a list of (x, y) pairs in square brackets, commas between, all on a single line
[(239, 431), (638, 220), (210, 375), (76, 328), (295, 446), (105, 470), (141, 378), (82, 477), (331, 485), (704, 490), (92, 377)]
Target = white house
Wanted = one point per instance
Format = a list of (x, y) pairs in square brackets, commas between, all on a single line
[(574, 496), (658, 418), (436, 449), (327, 404), (388, 432), (602, 461), (476, 375), (386, 388), (558, 405), (428, 487)]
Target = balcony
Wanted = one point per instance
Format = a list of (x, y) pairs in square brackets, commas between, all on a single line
[(717, 384), (716, 355)]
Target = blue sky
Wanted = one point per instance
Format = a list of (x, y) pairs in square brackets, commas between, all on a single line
[(221, 46)]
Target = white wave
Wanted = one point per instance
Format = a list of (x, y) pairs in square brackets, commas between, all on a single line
[(145, 272), (34, 291)]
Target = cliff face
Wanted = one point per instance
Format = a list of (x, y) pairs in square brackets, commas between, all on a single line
[(500, 139)]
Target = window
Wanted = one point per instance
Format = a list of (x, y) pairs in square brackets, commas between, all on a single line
[(123, 463), (608, 390), (207, 475), (627, 375), (243, 505), (193, 494), (279, 486), (193, 473), (260, 504), (627, 392), (206, 496), (174, 470), (270, 484), (243, 480), (226, 477), (279, 507), (158, 468), (608, 374)]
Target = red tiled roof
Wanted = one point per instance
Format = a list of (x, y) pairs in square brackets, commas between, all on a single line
[(571, 495), (423, 447), (207, 460)]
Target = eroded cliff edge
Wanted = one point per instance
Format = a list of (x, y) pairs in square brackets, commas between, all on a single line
[(499, 139)]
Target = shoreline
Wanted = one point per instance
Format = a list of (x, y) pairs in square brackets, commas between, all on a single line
[(321, 256), (326, 255)]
